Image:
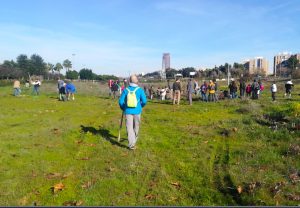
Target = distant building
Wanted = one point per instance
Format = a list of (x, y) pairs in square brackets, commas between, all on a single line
[(258, 65), (281, 63), (166, 64), (280, 67)]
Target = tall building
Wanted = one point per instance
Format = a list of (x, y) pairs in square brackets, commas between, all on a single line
[(258, 65), (278, 67), (166, 64)]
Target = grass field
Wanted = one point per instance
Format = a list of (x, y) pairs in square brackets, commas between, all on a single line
[(234, 152)]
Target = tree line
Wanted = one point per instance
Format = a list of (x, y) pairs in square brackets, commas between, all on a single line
[(218, 72), (35, 65), (235, 70)]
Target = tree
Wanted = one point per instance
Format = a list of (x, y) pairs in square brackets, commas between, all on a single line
[(72, 74), (9, 64), (86, 74), (292, 62), (186, 71), (58, 67), (170, 73), (37, 65), (50, 67), (23, 63), (67, 64)]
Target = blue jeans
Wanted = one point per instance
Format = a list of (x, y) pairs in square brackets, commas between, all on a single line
[(36, 90), (17, 91), (204, 97), (233, 95)]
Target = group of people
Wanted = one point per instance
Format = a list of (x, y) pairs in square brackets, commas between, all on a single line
[(209, 92), (35, 90), (116, 87), (66, 90)]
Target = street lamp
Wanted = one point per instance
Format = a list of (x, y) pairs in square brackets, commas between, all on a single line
[(228, 74), (73, 54)]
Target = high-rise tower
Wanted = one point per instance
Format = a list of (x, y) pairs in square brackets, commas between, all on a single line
[(166, 64)]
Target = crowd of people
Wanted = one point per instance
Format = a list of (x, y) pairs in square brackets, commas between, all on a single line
[(208, 91)]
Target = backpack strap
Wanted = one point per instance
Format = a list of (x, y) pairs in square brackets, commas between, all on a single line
[(133, 90)]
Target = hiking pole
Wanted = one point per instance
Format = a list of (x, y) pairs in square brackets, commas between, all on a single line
[(121, 123)]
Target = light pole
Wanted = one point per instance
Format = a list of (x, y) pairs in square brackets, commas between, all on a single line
[(228, 74), (73, 55)]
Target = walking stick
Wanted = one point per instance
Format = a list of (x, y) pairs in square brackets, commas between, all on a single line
[(121, 123)]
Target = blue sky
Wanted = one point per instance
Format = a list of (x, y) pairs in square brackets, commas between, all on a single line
[(129, 36)]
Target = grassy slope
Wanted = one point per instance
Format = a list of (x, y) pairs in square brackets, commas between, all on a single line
[(187, 155)]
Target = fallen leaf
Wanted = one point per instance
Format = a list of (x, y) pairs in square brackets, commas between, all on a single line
[(79, 141), (53, 175), (152, 183), (172, 199), (150, 196), (293, 197), (36, 192), (79, 203), (55, 131), (66, 175), (239, 189), (176, 184), (73, 203), (294, 177), (33, 174), (23, 201), (128, 193), (57, 187), (110, 169), (87, 185)]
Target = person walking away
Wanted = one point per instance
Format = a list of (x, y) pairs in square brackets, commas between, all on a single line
[(176, 91), (288, 89), (255, 90), (114, 89), (60, 84), (190, 91), (17, 89), (196, 87), (233, 89), (261, 87), (273, 90), (70, 90), (203, 90), (242, 88), (163, 93), (211, 92), (36, 87), (131, 102), (151, 92), (110, 84), (248, 90)]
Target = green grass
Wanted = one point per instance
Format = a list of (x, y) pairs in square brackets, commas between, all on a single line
[(186, 155)]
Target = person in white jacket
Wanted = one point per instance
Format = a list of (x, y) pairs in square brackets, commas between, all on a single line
[(273, 90)]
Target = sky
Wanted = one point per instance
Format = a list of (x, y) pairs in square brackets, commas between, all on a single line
[(121, 37)]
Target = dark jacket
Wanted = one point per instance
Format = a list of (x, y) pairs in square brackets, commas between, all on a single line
[(176, 86)]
